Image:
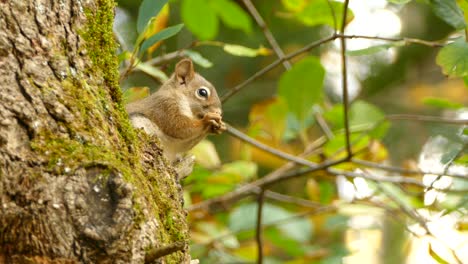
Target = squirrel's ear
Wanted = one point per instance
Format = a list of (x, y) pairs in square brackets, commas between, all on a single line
[(184, 71)]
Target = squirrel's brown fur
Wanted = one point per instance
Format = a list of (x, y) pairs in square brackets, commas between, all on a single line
[(179, 113)]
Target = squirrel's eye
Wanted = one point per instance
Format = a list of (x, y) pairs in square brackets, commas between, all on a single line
[(202, 93)]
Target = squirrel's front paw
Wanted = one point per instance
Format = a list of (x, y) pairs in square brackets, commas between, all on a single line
[(219, 128), (215, 123)]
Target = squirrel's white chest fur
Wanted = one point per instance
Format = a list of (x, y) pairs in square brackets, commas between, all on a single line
[(184, 107), (172, 146)]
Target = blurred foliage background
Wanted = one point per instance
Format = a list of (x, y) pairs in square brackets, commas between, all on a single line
[(411, 69)]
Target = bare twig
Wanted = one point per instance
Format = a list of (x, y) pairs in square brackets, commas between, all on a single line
[(408, 211), (258, 228), (163, 59), (283, 174), (377, 178), (247, 189), (292, 200), (316, 211), (448, 165), (131, 65), (271, 66), (344, 78), (159, 252), (421, 118), (231, 197), (323, 125), (238, 134), (374, 165), (313, 45), (434, 44), (266, 31)]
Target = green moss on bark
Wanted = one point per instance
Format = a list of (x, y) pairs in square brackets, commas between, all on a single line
[(99, 132)]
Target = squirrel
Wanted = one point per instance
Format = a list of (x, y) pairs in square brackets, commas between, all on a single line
[(184, 110)]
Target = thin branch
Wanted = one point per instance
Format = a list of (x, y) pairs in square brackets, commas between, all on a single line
[(321, 210), (313, 45), (344, 78), (163, 59), (266, 31), (159, 252), (421, 118), (283, 174), (374, 165), (391, 212), (377, 178), (448, 165), (271, 66), (291, 200), (131, 65), (434, 44), (323, 125), (238, 134), (245, 191), (258, 228), (409, 211)]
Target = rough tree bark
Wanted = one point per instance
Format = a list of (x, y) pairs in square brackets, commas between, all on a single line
[(77, 184)]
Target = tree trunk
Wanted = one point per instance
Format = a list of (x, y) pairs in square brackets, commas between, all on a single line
[(77, 183)]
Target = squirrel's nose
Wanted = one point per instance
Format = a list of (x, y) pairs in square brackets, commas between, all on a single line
[(218, 111)]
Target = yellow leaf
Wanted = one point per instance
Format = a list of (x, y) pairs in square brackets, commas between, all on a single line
[(156, 25), (313, 190), (206, 155)]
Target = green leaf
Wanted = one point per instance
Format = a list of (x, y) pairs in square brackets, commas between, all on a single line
[(335, 116), (232, 15), (152, 71), (380, 130), (223, 180), (436, 256), (161, 35), (336, 223), (198, 58), (374, 49), (399, 2), (449, 11), (327, 192), (452, 151), (200, 18), (242, 51), (441, 103), (290, 246), (301, 87), (339, 142), (244, 217), (463, 4), (294, 5), (245, 169), (363, 113), (147, 10), (462, 160), (319, 13), (199, 175), (453, 59), (405, 199)]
